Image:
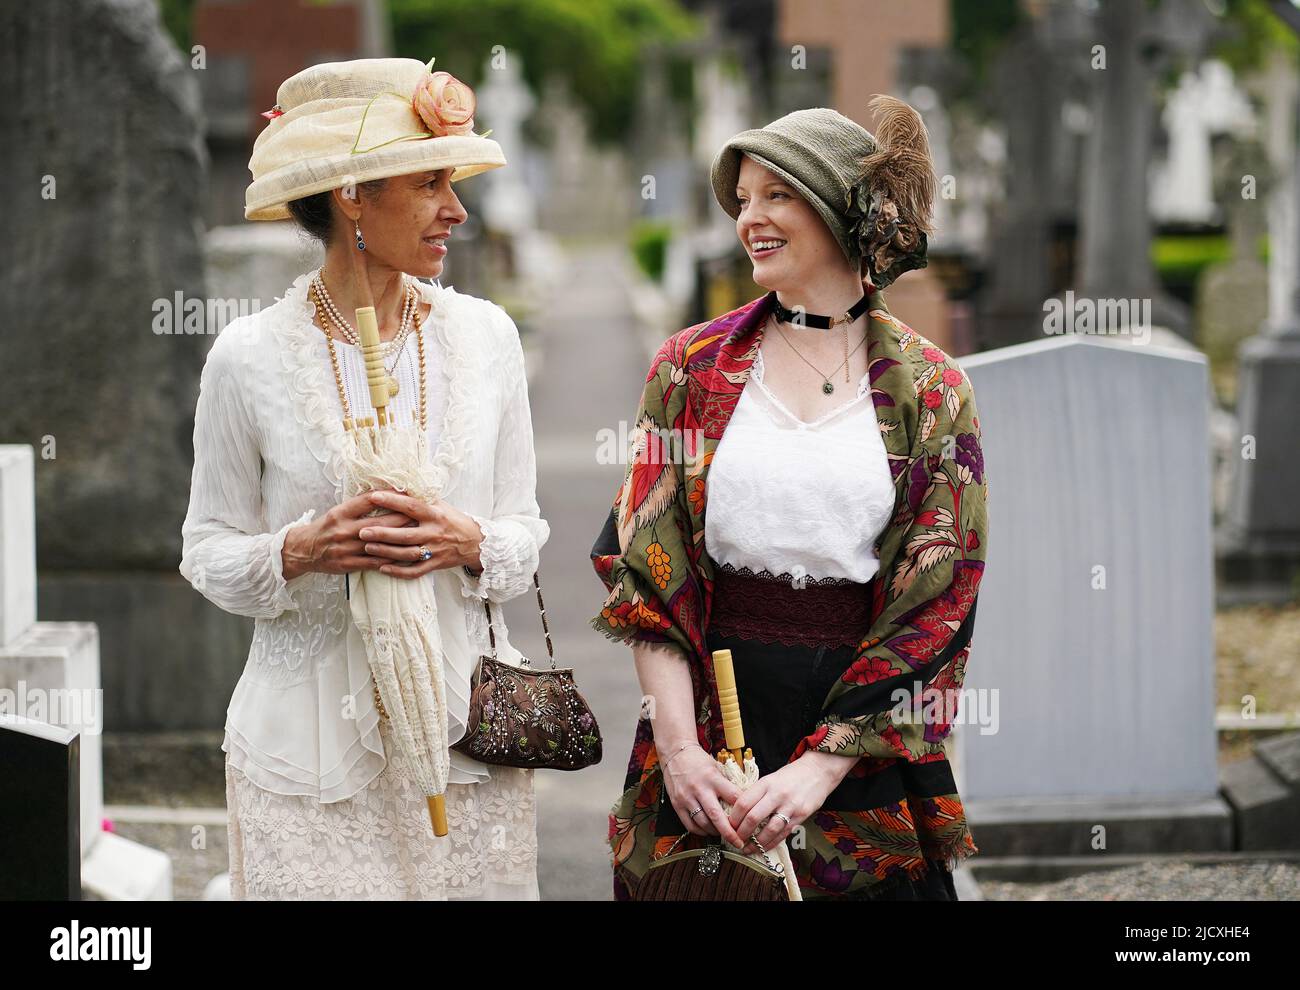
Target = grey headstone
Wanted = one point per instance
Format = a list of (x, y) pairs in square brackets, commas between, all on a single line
[(100, 143), (1282, 756), (1095, 615), (103, 150), (1265, 810)]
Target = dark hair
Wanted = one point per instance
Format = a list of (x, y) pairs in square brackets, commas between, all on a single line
[(315, 215)]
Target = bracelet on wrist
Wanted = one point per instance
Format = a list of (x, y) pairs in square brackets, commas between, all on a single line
[(678, 752)]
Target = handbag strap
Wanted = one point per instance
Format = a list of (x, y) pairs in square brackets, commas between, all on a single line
[(541, 607)]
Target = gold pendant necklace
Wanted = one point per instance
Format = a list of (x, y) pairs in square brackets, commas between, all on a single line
[(827, 387)]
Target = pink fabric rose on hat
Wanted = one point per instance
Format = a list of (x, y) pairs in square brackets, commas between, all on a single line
[(445, 104)]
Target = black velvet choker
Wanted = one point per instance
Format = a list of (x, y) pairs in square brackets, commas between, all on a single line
[(817, 321)]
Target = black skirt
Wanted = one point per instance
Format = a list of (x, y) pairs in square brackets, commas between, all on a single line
[(788, 647)]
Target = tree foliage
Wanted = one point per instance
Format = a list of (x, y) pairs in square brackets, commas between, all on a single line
[(595, 47)]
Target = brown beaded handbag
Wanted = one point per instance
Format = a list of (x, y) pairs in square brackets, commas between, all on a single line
[(536, 719)]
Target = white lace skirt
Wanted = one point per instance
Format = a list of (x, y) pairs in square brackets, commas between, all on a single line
[(379, 845)]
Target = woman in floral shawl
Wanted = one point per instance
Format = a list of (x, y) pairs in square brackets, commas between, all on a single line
[(845, 540)]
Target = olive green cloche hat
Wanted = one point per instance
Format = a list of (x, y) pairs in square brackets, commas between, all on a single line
[(874, 192)]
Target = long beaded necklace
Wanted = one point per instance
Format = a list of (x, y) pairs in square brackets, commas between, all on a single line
[(369, 421), (349, 333), (348, 421)]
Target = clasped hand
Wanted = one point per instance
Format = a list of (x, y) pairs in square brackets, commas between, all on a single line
[(695, 782), (348, 538), (452, 537)]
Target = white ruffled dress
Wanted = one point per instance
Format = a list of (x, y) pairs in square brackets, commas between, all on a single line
[(321, 803)]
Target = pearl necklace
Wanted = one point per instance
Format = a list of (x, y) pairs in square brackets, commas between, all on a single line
[(420, 413), (350, 334)]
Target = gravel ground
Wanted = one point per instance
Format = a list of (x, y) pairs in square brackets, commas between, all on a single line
[(191, 868), (1258, 650), (1258, 881), (1165, 881)]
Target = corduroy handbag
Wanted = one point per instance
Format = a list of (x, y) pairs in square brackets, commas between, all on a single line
[(709, 873), (535, 719)]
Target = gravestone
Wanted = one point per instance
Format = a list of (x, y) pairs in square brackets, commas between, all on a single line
[(1259, 548), (105, 146), (1095, 625), (49, 674), (589, 189), (51, 671), (17, 542), (40, 856), (1264, 791), (1136, 41), (1030, 84), (1232, 295), (1206, 103), (507, 202), (504, 104)]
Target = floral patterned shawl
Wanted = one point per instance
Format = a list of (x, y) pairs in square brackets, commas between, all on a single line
[(652, 559)]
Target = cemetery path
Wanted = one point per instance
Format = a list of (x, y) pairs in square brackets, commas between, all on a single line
[(592, 371)]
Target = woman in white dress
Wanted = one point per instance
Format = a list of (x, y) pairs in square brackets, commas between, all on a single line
[(322, 804)]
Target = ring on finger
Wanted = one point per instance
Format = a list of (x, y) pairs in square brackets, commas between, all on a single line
[(425, 552), (695, 812), (783, 818)]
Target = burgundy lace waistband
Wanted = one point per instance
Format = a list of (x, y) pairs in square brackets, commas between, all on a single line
[(769, 608)]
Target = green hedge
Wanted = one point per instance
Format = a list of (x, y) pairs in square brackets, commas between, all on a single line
[(649, 241), (1180, 258)]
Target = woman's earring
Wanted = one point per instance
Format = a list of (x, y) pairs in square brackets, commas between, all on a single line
[(361, 245)]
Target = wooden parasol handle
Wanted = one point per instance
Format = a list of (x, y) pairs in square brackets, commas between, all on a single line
[(729, 700), (377, 376), (438, 814)]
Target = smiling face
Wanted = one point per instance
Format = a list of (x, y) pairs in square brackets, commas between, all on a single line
[(405, 227), (788, 242)]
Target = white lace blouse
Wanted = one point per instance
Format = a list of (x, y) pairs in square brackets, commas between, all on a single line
[(795, 498), (268, 439)]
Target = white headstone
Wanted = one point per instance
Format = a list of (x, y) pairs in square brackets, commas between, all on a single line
[(17, 541), (1206, 102), (1095, 615), (49, 674), (52, 672), (505, 102), (118, 869)]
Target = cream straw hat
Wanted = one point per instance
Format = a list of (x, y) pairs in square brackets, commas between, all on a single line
[(341, 122)]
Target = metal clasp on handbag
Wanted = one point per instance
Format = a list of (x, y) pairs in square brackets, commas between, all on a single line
[(710, 860)]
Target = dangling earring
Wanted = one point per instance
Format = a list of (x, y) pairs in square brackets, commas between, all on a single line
[(361, 245)]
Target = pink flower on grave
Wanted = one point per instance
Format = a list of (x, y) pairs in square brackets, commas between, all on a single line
[(445, 104)]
